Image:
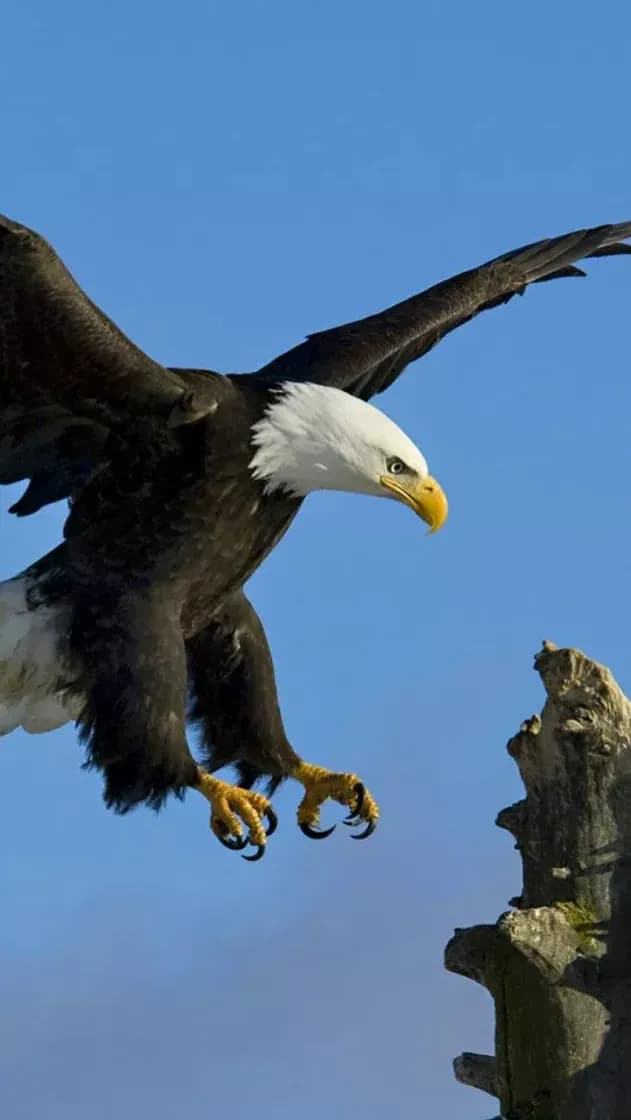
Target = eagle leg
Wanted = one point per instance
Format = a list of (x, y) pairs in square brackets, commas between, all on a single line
[(325, 785), (231, 806)]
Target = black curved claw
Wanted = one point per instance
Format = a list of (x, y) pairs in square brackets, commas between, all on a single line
[(354, 817), (272, 820), (316, 833), (233, 843), (360, 793), (368, 831), (259, 853)]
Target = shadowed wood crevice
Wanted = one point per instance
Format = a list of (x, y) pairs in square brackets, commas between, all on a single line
[(558, 966)]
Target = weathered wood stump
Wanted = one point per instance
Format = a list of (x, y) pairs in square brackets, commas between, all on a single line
[(558, 966)]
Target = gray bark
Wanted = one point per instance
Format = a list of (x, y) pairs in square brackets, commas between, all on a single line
[(558, 966)]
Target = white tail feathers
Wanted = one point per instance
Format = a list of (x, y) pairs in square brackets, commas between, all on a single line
[(32, 692)]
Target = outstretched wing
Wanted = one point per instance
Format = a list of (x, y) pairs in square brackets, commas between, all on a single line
[(67, 374), (366, 356)]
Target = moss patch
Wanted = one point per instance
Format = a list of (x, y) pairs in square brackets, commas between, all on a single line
[(584, 921)]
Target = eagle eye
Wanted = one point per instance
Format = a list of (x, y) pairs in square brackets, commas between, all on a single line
[(395, 466)]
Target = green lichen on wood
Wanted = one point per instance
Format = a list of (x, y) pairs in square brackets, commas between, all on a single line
[(584, 920)]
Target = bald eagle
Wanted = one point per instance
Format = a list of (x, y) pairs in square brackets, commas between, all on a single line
[(180, 482)]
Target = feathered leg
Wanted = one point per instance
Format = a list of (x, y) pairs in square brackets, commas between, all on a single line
[(133, 723), (233, 697), (235, 702)]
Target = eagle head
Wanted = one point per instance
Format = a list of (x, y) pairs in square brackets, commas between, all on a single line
[(314, 437)]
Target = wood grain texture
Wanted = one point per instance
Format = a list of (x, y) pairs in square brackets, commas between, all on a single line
[(558, 966)]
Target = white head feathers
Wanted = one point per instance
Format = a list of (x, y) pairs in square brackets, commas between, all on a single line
[(314, 437)]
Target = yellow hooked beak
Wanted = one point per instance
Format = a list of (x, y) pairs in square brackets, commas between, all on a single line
[(425, 496)]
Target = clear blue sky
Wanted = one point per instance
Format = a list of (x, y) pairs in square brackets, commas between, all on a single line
[(222, 179)]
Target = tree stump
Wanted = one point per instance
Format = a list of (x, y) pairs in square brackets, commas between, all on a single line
[(558, 966)]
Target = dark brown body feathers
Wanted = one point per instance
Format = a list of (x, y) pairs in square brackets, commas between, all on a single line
[(167, 522)]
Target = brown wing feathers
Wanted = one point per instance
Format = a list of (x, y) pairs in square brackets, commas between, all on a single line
[(364, 357), (68, 375)]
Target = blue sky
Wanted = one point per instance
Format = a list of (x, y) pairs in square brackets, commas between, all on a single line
[(223, 179)]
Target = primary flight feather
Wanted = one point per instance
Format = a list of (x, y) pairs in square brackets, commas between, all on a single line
[(180, 483)]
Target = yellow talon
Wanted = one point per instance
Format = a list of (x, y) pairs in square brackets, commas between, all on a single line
[(322, 785), (230, 806)]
